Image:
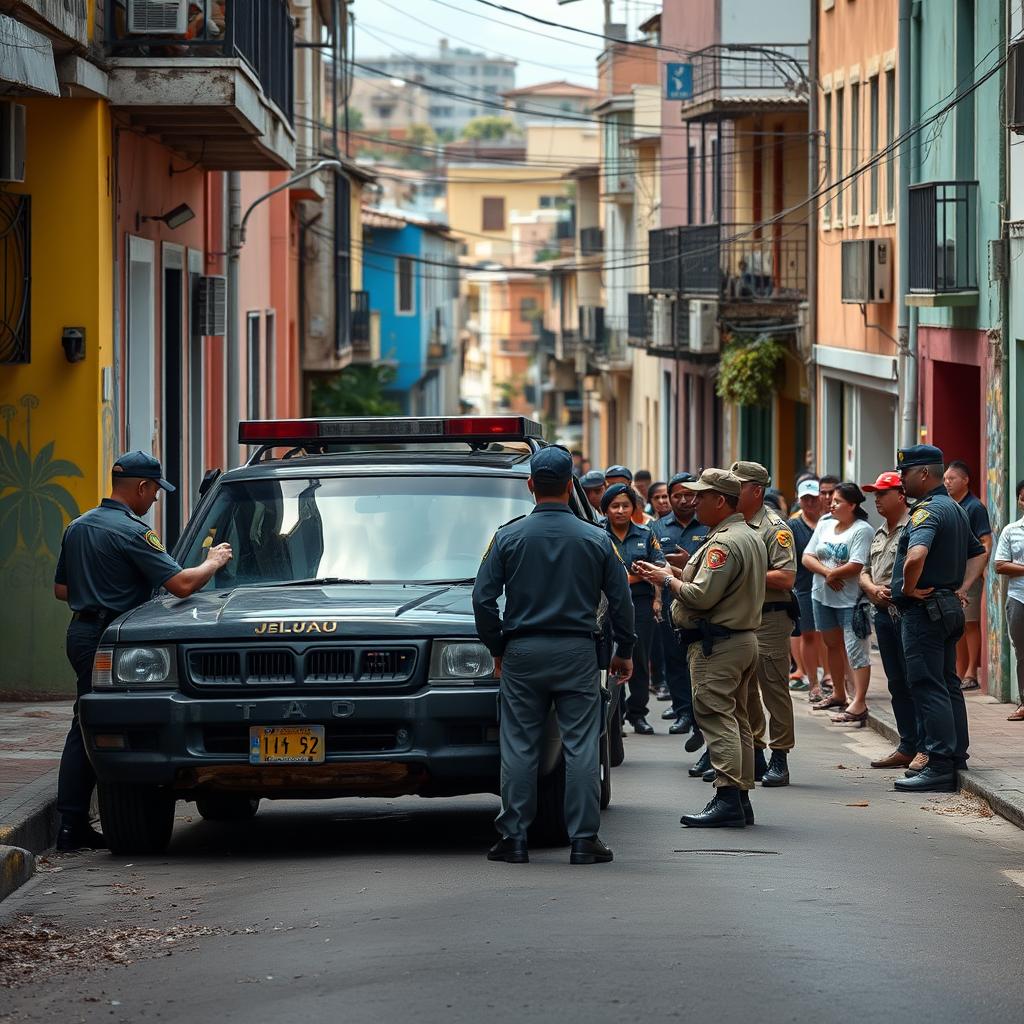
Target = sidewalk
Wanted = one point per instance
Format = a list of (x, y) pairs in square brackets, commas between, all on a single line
[(31, 740)]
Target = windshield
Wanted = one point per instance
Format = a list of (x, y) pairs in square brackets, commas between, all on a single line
[(400, 529)]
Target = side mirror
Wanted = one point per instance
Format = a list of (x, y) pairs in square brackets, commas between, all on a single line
[(209, 479)]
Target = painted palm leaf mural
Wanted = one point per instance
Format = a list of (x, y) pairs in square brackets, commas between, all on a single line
[(34, 506)]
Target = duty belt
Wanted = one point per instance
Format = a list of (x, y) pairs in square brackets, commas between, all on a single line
[(775, 606), (705, 633), (104, 616)]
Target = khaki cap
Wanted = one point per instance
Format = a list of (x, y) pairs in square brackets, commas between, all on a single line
[(720, 480), (751, 473)]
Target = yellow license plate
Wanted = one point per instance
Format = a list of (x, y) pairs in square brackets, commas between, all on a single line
[(286, 744)]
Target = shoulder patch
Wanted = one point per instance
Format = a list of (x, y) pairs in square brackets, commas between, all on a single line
[(490, 545), (153, 540), (785, 538), (654, 543), (716, 557), (919, 516)]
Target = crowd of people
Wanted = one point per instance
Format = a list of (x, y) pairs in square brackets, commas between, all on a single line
[(841, 597)]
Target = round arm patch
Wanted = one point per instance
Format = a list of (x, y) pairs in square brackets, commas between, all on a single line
[(716, 558), (785, 538), (153, 540)]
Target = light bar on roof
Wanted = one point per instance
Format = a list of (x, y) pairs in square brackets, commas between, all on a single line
[(392, 429)]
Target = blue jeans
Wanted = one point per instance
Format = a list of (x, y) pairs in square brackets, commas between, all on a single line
[(677, 669), (76, 778)]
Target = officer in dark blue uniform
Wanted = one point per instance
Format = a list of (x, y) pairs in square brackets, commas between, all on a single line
[(110, 562), (553, 568), (680, 535), (937, 556)]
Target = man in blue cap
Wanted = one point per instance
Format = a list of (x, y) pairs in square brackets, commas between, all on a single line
[(938, 558), (594, 486), (553, 568), (110, 562)]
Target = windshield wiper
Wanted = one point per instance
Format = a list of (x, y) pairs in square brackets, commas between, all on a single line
[(313, 581), (444, 583)]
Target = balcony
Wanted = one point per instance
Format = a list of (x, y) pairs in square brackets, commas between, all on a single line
[(745, 264), (943, 244), (591, 241), (746, 78), (213, 81), (638, 315), (360, 324)]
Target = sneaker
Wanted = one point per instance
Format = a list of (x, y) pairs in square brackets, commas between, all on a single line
[(799, 685)]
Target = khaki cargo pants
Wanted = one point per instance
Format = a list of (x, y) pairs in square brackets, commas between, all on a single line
[(773, 685), (720, 699)]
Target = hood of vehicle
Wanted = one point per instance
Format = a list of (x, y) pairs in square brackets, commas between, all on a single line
[(307, 612)]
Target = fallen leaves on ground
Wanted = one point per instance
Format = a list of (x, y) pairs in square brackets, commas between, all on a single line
[(859, 803), (30, 950), (960, 805), (842, 767)]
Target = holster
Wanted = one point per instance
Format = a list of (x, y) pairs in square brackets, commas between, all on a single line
[(706, 632), (944, 607), (604, 643)]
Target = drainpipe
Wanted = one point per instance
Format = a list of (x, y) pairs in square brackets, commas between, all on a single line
[(812, 237), (231, 334), (907, 328)]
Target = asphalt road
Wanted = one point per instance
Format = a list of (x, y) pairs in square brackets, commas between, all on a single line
[(846, 902)]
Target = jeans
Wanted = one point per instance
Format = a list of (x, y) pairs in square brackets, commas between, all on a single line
[(930, 653), (76, 778), (639, 684), (677, 668), (1015, 627), (890, 647)]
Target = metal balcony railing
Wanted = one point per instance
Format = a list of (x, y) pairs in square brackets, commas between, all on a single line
[(360, 322), (944, 237), (758, 70), (260, 32), (591, 241), (734, 262), (638, 316)]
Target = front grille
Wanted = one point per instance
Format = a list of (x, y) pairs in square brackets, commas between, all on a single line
[(216, 668), (331, 665), (270, 667), (388, 665)]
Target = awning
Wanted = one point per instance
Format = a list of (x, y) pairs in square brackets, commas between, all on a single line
[(26, 59)]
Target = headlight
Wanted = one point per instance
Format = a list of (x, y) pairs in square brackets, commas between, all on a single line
[(145, 666), (456, 661)]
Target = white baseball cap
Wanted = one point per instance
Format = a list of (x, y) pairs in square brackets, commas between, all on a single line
[(808, 489)]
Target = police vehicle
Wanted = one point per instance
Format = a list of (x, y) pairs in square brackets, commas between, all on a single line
[(336, 654)]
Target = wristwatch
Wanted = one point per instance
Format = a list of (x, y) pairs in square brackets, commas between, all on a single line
[(667, 580)]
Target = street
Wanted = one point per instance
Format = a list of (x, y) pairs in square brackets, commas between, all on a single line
[(846, 901)]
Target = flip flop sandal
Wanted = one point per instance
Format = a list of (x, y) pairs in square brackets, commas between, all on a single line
[(828, 705), (1018, 715), (970, 683)]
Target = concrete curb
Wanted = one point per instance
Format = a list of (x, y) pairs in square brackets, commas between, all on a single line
[(989, 784), (17, 866), (28, 825)]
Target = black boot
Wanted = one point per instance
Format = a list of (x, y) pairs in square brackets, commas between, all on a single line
[(662, 692), (710, 775), (930, 779), (695, 742), (701, 766), (760, 764), (79, 836), (589, 851), (682, 725), (725, 811), (778, 770), (748, 811), (511, 850), (641, 726)]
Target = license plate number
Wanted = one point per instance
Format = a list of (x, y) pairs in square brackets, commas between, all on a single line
[(286, 744)]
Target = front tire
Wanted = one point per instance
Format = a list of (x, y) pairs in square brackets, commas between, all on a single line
[(227, 807), (616, 748), (606, 772), (136, 819)]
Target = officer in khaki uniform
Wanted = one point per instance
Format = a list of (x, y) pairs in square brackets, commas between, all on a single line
[(717, 609), (776, 628)]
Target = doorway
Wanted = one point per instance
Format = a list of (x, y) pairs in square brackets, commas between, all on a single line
[(196, 397), (173, 268), (956, 415), (140, 343)]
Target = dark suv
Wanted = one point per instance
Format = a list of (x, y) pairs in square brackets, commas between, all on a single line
[(336, 654)]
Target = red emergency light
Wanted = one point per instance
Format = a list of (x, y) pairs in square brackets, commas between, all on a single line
[(388, 430)]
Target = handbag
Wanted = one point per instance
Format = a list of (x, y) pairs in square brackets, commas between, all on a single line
[(861, 624)]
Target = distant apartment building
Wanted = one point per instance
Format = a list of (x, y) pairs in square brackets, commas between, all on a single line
[(456, 80), (550, 99)]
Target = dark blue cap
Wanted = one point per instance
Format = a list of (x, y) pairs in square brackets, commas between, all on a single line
[(618, 471), (595, 478), (681, 478), (613, 492), (140, 466), (919, 455), (552, 463)]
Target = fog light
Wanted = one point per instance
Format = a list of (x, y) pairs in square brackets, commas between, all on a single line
[(109, 741)]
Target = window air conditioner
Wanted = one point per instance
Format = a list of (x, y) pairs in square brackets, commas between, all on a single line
[(867, 270), (661, 322), (209, 313), (12, 141), (703, 326), (157, 17)]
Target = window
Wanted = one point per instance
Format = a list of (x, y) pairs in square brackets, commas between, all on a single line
[(840, 137), (827, 119), (873, 146), (714, 181), (890, 135), (494, 213), (406, 287), (527, 308), (854, 148), (691, 184), (252, 335), (270, 361)]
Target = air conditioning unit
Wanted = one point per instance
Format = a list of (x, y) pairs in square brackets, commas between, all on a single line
[(157, 17), (703, 326), (661, 322), (867, 270), (209, 306), (12, 141), (1015, 87)]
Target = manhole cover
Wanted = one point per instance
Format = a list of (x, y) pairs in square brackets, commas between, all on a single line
[(731, 853)]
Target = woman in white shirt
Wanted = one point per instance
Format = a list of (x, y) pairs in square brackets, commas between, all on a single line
[(837, 551), (1010, 563)]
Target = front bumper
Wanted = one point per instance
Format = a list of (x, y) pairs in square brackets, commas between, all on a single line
[(437, 742)]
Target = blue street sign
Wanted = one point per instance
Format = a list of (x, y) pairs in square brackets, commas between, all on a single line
[(678, 81)]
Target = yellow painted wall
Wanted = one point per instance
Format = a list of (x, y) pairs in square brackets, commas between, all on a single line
[(50, 402), (554, 144)]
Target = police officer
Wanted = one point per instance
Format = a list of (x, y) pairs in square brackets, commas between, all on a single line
[(718, 610), (594, 486), (778, 617), (679, 535), (937, 559), (110, 562), (553, 568)]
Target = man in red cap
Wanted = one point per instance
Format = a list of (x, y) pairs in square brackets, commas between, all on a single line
[(876, 581)]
